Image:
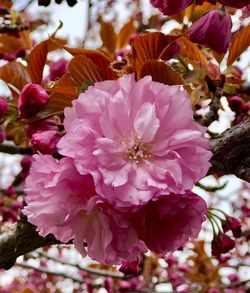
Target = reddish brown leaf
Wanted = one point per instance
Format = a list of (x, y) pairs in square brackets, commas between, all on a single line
[(108, 36), (82, 69), (149, 47), (64, 85), (240, 42), (98, 58), (15, 75), (38, 57), (9, 44), (125, 33), (80, 72), (191, 51), (161, 72)]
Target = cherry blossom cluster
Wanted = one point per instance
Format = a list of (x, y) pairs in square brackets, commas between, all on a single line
[(131, 155)]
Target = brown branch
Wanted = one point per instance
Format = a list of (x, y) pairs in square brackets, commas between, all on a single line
[(13, 150), (231, 151), (21, 240), (46, 271), (97, 272)]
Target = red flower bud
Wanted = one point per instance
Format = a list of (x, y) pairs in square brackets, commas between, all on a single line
[(213, 30), (235, 3), (222, 244), (3, 107), (169, 7), (32, 98), (57, 68), (129, 268), (236, 104), (234, 225)]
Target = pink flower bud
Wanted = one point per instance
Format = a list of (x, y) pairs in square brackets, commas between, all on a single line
[(234, 278), (222, 244), (235, 3), (169, 7), (234, 225), (129, 268), (171, 260), (32, 98), (236, 104), (26, 162), (213, 30), (3, 107), (45, 141), (57, 68)]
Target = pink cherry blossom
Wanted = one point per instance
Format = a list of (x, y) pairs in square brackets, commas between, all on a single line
[(63, 202), (167, 224), (137, 139)]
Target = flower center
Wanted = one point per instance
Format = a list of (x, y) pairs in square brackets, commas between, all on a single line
[(138, 152)]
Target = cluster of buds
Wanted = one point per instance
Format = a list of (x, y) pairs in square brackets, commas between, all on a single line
[(240, 107), (222, 243), (177, 274)]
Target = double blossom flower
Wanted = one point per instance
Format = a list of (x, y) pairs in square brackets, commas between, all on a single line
[(131, 154)]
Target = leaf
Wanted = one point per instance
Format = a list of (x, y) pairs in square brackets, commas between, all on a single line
[(15, 129), (81, 73), (64, 85), (83, 69), (15, 74), (9, 44), (161, 72), (240, 42), (125, 33), (38, 57), (108, 36), (98, 58), (149, 47), (191, 51)]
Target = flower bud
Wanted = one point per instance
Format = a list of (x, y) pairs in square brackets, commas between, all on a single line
[(169, 7), (234, 225), (129, 268), (213, 30), (45, 141), (3, 107), (236, 104), (235, 3), (32, 98), (57, 68), (222, 244)]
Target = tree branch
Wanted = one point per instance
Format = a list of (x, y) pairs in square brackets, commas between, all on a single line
[(13, 150), (21, 240), (231, 151), (231, 155)]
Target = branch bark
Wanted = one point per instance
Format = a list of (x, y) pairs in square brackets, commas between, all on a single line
[(231, 155), (21, 240), (231, 151)]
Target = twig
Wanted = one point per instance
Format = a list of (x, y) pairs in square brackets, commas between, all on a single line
[(89, 270), (13, 150), (42, 270)]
